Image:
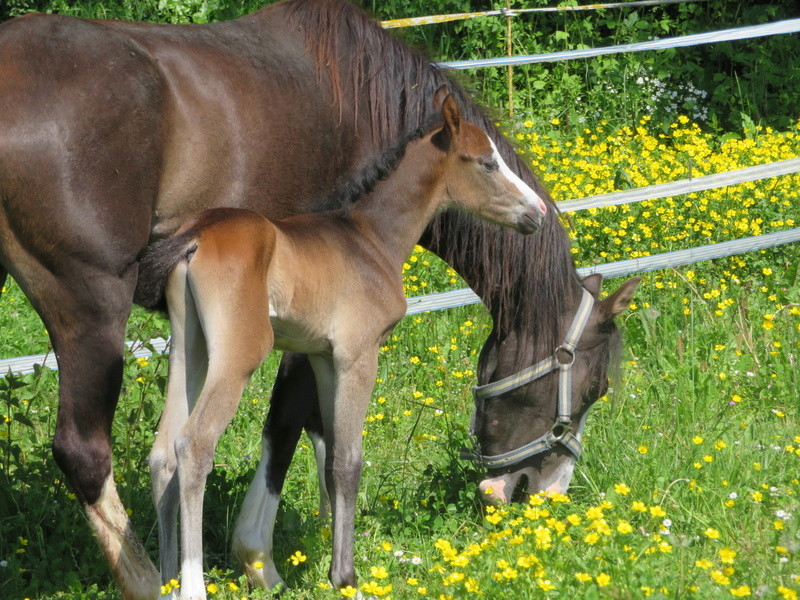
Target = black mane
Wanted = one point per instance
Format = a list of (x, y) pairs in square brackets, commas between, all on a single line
[(378, 168)]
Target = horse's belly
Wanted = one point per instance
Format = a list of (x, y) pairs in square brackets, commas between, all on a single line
[(295, 337)]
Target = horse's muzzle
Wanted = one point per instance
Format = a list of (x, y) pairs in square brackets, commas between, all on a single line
[(530, 222)]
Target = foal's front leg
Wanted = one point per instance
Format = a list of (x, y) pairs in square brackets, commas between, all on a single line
[(293, 406), (345, 386)]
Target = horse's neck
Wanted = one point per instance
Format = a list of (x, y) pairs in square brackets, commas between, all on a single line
[(400, 207)]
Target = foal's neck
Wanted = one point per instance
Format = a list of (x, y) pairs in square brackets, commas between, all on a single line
[(398, 210)]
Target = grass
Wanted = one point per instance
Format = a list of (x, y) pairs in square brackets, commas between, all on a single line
[(688, 487)]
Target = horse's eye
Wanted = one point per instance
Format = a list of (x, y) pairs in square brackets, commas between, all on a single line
[(490, 166)]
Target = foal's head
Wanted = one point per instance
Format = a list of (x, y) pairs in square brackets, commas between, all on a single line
[(477, 179)]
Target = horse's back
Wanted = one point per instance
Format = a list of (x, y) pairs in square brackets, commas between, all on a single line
[(113, 132)]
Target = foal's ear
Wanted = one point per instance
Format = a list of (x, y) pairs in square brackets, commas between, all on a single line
[(439, 96), (452, 115), (452, 123), (618, 302)]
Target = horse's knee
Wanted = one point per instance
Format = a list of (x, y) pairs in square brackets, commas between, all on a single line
[(158, 460), (86, 463), (345, 471), (194, 459), (162, 469)]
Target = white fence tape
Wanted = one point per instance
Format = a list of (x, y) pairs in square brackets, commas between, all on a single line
[(514, 12), (655, 262), (684, 186), (724, 35), (464, 297), (680, 258), (25, 364)]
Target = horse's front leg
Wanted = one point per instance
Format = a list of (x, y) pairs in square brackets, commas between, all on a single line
[(345, 386), (293, 402), (87, 326)]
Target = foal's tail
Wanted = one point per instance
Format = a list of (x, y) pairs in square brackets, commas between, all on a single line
[(156, 262), (158, 259)]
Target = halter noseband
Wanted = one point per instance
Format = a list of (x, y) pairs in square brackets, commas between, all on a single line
[(562, 360)]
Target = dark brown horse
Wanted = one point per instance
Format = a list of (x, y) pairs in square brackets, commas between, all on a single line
[(112, 134)]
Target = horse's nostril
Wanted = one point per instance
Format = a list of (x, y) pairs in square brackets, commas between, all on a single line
[(530, 222)]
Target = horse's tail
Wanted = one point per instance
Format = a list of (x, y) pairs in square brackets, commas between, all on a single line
[(156, 262)]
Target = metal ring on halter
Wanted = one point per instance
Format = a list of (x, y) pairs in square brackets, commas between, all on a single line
[(566, 350), (559, 430)]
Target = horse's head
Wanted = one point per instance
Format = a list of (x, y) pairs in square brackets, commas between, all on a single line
[(529, 423), (477, 179)]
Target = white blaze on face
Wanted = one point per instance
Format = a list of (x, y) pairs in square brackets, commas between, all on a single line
[(531, 197), (558, 482)]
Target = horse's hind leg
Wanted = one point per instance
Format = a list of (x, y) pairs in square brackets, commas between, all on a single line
[(313, 427), (294, 402)]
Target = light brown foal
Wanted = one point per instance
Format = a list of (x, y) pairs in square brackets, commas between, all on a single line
[(326, 284)]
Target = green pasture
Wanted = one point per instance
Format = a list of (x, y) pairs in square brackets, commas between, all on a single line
[(688, 487)]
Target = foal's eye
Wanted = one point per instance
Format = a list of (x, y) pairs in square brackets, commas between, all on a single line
[(490, 166)]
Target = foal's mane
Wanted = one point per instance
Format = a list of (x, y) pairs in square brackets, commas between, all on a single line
[(376, 169), (526, 282)]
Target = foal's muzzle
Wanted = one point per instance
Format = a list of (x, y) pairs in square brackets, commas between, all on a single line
[(530, 222)]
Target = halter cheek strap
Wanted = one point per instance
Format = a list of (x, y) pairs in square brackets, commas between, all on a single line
[(561, 360)]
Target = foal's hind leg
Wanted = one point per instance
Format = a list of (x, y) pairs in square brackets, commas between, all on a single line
[(229, 293), (294, 405), (187, 351)]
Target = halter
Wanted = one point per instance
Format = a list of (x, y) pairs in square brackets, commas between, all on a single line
[(562, 360)]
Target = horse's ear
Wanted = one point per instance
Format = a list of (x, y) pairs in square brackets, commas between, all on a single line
[(593, 283), (452, 115), (438, 97), (452, 123), (619, 301)]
